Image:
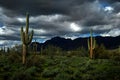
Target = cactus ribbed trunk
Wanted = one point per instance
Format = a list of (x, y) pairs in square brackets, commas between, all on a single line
[(91, 50), (24, 54)]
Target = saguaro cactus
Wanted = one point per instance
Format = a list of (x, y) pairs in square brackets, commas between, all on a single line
[(35, 47), (8, 50), (41, 49), (26, 38), (91, 44)]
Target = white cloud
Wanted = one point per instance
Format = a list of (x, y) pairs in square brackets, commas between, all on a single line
[(113, 33), (2, 42), (48, 18), (75, 27), (108, 9), (105, 34), (5, 31), (103, 27), (70, 36), (9, 43), (118, 14), (22, 20), (40, 31)]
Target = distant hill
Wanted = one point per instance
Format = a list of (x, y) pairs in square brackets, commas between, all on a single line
[(68, 44)]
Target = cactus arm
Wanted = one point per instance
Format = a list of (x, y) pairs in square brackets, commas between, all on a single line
[(94, 43), (22, 35), (22, 29), (27, 23), (30, 37)]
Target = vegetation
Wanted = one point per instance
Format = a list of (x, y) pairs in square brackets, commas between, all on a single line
[(60, 68), (26, 39), (53, 63)]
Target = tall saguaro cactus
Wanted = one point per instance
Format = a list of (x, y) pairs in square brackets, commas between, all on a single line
[(91, 44), (26, 39)]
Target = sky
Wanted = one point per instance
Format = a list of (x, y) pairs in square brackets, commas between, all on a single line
[(64, 18)]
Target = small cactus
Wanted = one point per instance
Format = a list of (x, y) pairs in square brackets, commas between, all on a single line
[(8, 50), (4, 49), (41, 50), (35, 47), (26, 39), (91, 44)]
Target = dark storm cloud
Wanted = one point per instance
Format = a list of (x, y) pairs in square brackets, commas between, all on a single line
[(89, 14), (9, 37), (37, 7), (116, 7), (51, 18)]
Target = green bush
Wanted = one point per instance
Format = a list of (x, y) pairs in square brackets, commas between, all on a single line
[(21, 76), (62, 76), (115, 56), (40, 67), (24, 73), (35, 60), (14, 58), (81, 52), (50, 72), (101, 52)]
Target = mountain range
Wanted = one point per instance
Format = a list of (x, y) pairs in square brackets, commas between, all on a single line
[(68, 44)]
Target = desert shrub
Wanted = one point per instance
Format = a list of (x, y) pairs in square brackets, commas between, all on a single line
[(70, 53), (50, 72), (76, 75), (5, 68), (35, 60), (24, 73), (87, 76), (5, 76), (21, 76), (14, 58), (62, 76), (52, 51), (101, 52), (115, 56), (82, 52), (31, 71)]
